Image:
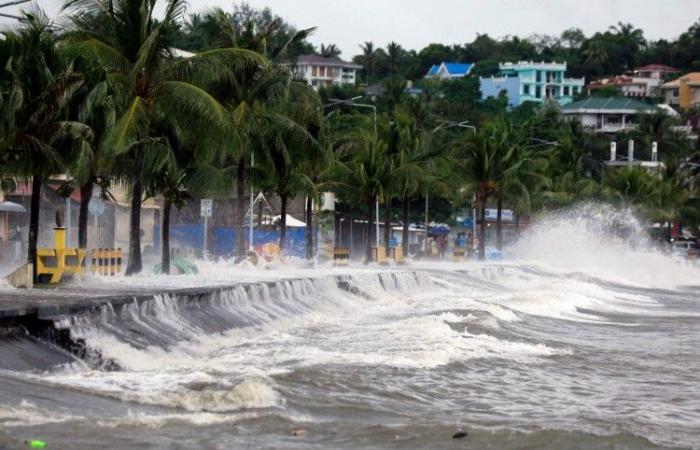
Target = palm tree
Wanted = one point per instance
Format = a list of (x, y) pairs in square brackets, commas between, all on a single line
[(248, 94), (330, 51), (395, 54), (369, 58), (184, 172), (133, 47), (489, 159), (37, 86), (362, 171)]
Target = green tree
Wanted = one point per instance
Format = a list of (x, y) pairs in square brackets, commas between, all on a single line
[(38, 83), (133, 47)]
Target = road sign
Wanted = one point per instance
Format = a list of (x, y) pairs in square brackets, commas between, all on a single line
[(207, 204)]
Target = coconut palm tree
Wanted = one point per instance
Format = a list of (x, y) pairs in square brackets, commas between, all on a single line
[(369, 56), (148, 82), (38, 85), (330, 51), (247, 95), (362, 175), (489, 158)]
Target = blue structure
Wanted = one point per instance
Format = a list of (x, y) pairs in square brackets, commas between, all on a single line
[(533, 82), (492, 87), (222, 244), (449, 71)]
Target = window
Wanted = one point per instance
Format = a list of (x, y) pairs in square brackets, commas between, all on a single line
[(676, 92), (526, 89), (314, 71), (538, 92), (538, 76), (566, 91)]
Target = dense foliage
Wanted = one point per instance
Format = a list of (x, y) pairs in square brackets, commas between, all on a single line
[(108, 100)]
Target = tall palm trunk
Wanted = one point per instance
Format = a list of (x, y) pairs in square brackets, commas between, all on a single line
[(370, 226), (499, 223), (165, 232), (240, 209), (34, 224), (134, 265), (404, 235), (83, 214), (387, 226), (310, 229), (283, 221), (482, 228)]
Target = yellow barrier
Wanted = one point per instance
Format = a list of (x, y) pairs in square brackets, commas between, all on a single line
[(398, 256), (341, 256), (60, 260), (106, 261)]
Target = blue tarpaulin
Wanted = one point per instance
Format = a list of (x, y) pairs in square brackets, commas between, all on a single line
[(223, 240)]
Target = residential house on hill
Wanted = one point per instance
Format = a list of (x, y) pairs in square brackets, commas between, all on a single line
[(656, 71), (643, 82), (528, 81), (320, 71), (449, 71), (607, 114), (683, 92)]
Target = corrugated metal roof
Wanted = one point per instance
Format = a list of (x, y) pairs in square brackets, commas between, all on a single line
[(610, 103), (458, 68)]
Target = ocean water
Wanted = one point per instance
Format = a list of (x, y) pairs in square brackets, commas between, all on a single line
[(579, 340)]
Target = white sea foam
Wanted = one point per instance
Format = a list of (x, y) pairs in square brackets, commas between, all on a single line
[(602, 242)]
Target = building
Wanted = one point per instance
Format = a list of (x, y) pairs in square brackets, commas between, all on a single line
[(533, 82), (320, 71), (643, 82), (607, 114), (683, 92), (449, 71), (629, 86), (656, 71)]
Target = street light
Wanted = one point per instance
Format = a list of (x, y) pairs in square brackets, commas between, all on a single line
[(352, 103), (443, 126)]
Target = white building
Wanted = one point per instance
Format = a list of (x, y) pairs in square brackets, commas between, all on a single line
[(607, 114), (319, 71)]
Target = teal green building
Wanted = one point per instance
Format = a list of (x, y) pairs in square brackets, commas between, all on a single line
[(528, 81)]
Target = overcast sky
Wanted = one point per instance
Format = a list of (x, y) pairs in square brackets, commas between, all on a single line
[(415, 23)]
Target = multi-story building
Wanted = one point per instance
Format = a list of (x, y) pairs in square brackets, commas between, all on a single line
[(320, 71), (683, 92), (449, 71), (528, 81)]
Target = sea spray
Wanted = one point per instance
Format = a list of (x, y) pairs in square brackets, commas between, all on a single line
[(601, 241)]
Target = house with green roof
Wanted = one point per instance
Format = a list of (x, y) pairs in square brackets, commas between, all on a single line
[(607, 114)]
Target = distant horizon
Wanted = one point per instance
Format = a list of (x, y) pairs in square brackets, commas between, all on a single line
[(383, 22)]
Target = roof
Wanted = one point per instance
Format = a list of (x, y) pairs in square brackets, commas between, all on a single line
[(453, 69), (692, 78), (608, 104), (458, 68), (323, 61), (655, 67)]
